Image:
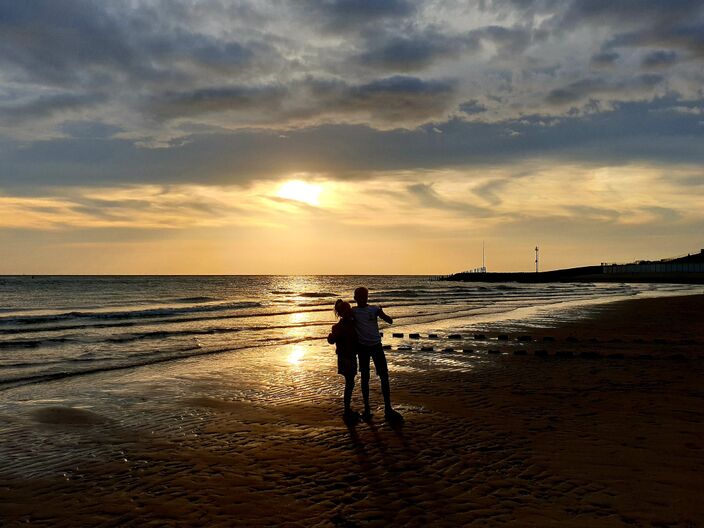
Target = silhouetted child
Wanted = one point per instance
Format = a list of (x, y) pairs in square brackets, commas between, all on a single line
[(366, 323), (344, 337)]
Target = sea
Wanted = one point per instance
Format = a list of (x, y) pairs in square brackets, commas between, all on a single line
[(54, 327)]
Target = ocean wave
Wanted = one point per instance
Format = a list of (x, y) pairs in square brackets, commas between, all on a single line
[(33, 343), (195, 299), (139, 361), (125, 314), (317, 294)]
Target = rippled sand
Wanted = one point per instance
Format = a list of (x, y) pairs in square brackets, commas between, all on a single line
[(254, 438)]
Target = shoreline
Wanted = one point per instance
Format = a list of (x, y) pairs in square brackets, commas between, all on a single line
[(254, 438)]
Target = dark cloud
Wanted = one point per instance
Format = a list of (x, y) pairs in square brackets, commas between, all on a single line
[(604, 59), (473, 106), (646, 131), (175, 74), (47, 106), (214, 100), (659, 60), (356, 14), (98, 45), (597, 86), (630, 12), (414, 51), (89, 129), (398, 97), (688, 38)]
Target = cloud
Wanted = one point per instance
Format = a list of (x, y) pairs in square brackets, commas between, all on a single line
[(604, 59), (509, 40), (47, 106), (428, 197), (597, 86), (659, 60), (356, 14), (86, 83), (214, 100), (473, 106), (656, 131), (413, 51), (89, 129)]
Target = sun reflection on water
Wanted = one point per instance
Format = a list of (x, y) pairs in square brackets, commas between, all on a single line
[(296, 355)]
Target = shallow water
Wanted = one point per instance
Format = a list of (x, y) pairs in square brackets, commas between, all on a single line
[(58, 327)]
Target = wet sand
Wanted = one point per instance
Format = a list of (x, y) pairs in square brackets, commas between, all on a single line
[(527, 436)]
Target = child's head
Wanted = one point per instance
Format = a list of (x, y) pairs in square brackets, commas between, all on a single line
[(361, 295), (343, 309)]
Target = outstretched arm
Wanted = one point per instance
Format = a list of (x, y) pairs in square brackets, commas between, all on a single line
[(384, 316)]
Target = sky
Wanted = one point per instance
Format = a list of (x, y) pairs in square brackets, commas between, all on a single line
[(348, 136)]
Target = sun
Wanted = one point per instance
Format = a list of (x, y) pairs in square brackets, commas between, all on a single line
[(300, 191)]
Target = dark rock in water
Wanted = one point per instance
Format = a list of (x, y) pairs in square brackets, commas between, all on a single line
[(494, 351), (432, 336), (427, 349), (479, 337), (688, 342), (548, 339), (645, 356), (414, 336), (593, 340), (638, 340), (564, 354), (616, 340), (449, 349), (661, 341), (405, 347), (502, 337), (467, 350), (525, 338), (541, 353), (386, 347), (616, 355), (572, 339), (590, 355), (520, 352), (397, 334), (677, 357), (454, 336)]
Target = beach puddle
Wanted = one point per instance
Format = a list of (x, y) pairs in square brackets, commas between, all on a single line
[(67, 416)]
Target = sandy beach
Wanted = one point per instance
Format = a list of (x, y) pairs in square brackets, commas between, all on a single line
[(596, 423)]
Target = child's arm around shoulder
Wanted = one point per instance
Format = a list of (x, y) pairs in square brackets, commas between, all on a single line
[(383, 316)]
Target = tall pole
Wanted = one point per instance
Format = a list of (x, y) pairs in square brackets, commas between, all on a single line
[(536, 259), (483, 263)]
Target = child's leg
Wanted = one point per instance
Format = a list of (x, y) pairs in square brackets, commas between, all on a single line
[(364, 359), (382, 370), (349, 385), (385, 390)]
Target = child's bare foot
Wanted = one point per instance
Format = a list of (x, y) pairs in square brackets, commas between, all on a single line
[(367, 415), (350, 416), (393, 416)]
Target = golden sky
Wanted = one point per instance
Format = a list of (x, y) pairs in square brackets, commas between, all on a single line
[(347, 136)]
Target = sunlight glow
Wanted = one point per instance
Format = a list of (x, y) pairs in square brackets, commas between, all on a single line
[(296, 355), (300, 191)]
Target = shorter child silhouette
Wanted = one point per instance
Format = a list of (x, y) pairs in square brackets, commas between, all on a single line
[(344, 336)]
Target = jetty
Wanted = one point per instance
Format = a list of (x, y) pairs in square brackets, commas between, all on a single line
[(688, 269)]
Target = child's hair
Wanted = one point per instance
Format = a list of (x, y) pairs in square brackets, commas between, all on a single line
[(342, 307)]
